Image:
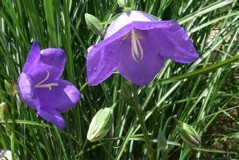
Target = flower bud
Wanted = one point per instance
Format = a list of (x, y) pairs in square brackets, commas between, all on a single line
[(188, 134), (10, 88), (122, 3), (5, 155), (3, 111), (100, 124), (94, 24)]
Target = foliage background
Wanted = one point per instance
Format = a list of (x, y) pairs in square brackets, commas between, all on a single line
[(203, 94)]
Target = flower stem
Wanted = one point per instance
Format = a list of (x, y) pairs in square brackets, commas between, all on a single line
[(12, 137), (140, 116)]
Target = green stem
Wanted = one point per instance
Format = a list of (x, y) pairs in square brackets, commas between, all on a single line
[(134, 102), (12, 137), (140, 117)]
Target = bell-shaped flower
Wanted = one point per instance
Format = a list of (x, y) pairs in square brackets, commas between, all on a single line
[(41, 88), (136, 44)]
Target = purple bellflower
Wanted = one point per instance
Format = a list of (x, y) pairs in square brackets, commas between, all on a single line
[(136, 44), (41, 88)]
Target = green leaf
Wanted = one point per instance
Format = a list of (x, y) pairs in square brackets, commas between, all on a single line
[(94, 24)]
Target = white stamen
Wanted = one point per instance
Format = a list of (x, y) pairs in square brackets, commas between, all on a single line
[(49, 85), (126, 36), (137, 51)]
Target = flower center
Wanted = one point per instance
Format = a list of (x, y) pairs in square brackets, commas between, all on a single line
[(49, 85), (137, 51)]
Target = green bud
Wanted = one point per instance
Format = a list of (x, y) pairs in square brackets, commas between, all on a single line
[(94, 24), (15, 89), (122, 3), (10, 88), (188, 134), (3, 111), (100, 124)]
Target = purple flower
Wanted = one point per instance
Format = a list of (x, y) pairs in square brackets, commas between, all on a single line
[(136, 44), (41, 88)]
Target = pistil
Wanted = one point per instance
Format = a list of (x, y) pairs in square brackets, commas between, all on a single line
[(48, 85)]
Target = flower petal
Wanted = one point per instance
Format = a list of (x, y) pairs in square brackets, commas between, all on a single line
[(60, 98), (102, 60), (27, 91), (174, 43), (126, 19), (53, 60), (38, 63), (33, 56), (143, 71), (52, 116)]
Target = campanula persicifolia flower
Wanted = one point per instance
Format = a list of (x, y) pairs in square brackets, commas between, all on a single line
[(41, 88), (136, 45)]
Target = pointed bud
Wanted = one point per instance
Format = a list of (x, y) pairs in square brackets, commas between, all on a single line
[(11, 89), (188, 134), (100, 124), (8, 87), (3, 111), (94, 24), (122, 3), (15, 89)]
